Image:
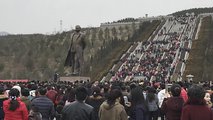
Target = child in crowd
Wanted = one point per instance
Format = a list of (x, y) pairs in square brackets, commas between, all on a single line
[(34, 114)]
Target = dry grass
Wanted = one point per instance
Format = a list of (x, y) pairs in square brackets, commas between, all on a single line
[(201, 55)]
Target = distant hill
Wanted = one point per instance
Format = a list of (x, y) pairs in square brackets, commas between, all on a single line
[(4, 33), (38, 57), (201, 55), (194, 10)]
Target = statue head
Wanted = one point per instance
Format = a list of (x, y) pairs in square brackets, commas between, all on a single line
[(77, 28)]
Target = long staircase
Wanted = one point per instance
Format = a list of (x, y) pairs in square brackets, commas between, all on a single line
[(159, 59)]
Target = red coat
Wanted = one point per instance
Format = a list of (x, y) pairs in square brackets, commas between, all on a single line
[(51, 94), (183, 94), (173, 108), (20, 113), (196, 112)]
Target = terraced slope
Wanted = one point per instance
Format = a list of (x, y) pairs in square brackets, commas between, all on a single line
[(200, 63)]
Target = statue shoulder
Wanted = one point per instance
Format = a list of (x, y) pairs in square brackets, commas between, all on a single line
[(83, 33), (72, 34)]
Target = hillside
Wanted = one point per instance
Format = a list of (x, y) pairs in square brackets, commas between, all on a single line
[(39, 56), (196, 11), (201, 55)]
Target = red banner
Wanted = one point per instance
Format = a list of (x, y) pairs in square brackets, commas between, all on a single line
[(18, 80)]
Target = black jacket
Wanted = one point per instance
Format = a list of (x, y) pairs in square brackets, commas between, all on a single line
[(78, 111)]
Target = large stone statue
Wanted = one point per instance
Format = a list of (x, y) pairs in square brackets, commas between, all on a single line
[(75, 57)]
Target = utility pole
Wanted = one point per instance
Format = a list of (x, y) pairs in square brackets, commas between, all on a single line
[(61, 28)]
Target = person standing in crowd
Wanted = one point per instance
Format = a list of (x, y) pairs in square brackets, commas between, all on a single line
[(163, 93), (75, 57), (34, 114), (2, 99), (51, 93), (58, 110), (55, 77), (172, 107), (152, 101), (59, 96), (183, 93), (78, 110), (208, 99), (124, 91), (13, 108), (196, 108), (69, 96), (24, 98), (95, 100), (139, 107), (111, 109), (44, 104)]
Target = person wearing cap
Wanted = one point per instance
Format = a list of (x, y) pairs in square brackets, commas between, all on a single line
[(77, 46)]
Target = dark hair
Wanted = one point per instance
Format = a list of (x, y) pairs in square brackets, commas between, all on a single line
[(113, 95), (196, 92), (123, 87), (138, 97), (1, 90), (196, 95), (162, 86), (106, 88), (180, 83), (114, 86), (13, 94), (49, 87), (25, 92), (70, 94), (96, 91), (132, 86), (175, 90), (42, 91), (36, 92), (151, 93), (81, 93)]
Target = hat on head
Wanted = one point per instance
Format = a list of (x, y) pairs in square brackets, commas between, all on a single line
[(77, 27), (17, 87)]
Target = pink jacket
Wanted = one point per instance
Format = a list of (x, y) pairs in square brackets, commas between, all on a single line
[(183, 94)]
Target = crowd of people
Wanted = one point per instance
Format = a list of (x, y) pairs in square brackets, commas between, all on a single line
[(117, 100), (158, 59), (152, 98)]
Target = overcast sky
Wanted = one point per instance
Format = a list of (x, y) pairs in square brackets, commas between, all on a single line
[(43, 16)]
